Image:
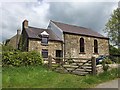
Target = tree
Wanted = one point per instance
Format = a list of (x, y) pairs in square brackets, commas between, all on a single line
[(113, 27), (114, 51)]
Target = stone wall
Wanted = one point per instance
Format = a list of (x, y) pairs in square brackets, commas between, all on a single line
[(72, 46), (99, 67), (13, 41), (52, 46)]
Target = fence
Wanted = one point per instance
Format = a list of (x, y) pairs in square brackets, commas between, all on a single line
[(79, 66)]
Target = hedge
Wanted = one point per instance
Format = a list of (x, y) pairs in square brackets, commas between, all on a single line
[(18, 58)]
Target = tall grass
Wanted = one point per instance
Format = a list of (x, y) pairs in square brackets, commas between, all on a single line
[(40, 77)]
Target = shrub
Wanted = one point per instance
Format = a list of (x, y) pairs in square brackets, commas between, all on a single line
[(105, 66), (105, 63), (7, 48), (107, 60), (17, 58)]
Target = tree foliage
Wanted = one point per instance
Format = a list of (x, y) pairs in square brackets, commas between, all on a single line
[(114, 50), (113, 27)]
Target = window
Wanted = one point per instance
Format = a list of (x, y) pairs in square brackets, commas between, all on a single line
[(95, 46), (44, 53), (58, 53), (44, 40), (81, 45)]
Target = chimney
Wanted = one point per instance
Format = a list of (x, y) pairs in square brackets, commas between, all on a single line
[(18, 32), (25, 24), (18, 38)]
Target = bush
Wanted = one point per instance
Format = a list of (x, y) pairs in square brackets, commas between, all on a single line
[(105, 63), (7, 48), (17, 58), (105, 66), (107, 60)]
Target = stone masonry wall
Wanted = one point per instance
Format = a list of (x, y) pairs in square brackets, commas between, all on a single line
[(52, 46), (72, 46)]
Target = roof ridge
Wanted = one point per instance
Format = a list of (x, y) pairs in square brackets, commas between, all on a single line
[(76, 26), (37, 28), (69, 24)]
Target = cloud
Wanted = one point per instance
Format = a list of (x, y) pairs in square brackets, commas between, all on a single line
[(93, 15), (14, 13)]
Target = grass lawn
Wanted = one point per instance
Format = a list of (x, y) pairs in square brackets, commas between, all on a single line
[(40, 77)]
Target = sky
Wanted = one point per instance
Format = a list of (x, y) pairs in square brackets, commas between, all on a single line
[(92, 15)]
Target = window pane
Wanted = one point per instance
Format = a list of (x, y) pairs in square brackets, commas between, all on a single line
[(44, 53), (44, 40), (95, 46), (58, 53), (81, 45)]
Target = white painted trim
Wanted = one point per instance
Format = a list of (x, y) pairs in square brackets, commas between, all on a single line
[(44, 33)]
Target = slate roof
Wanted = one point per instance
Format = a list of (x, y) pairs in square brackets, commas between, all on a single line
[(33, 32), (67, 28)]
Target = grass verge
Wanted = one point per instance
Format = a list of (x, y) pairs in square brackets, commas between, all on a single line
[(40, 77)]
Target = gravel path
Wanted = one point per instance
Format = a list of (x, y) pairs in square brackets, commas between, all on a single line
[(111, 84)]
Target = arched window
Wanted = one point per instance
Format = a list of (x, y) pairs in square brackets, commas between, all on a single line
[(95, 46), (81, 45)]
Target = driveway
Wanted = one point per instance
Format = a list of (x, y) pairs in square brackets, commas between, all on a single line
[(111, 84)]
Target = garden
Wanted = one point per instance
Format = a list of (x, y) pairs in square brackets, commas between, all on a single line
[(26, 70)]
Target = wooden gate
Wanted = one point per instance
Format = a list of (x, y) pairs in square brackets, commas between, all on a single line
[(79, 66)]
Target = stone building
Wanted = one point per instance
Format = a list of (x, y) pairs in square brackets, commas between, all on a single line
[(13, 41), (63, 40)]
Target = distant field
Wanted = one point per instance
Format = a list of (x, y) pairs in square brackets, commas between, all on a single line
[(40, 77)]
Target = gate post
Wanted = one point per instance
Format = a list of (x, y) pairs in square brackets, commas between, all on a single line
[(93, 65), (50, 62)]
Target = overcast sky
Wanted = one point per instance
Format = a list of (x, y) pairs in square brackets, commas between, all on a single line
[(92, 15)]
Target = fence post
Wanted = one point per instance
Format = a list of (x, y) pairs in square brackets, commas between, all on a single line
[(93, 65), (50, 62)]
